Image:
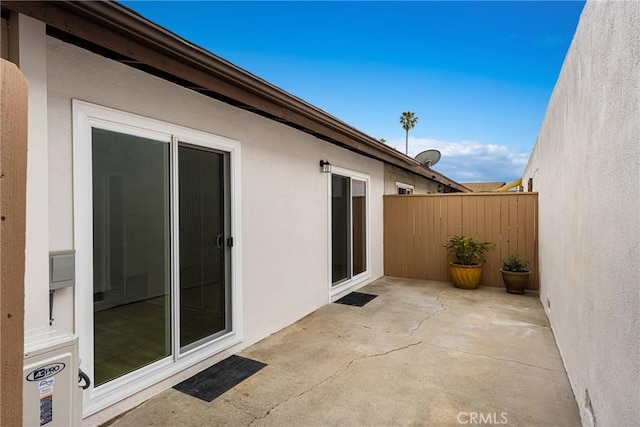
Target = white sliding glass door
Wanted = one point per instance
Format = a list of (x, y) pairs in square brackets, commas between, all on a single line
[(349, 233), (204, 245), (131, 253), (154, 209)]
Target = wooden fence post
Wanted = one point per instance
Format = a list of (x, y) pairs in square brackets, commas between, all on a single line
[(13, 177)]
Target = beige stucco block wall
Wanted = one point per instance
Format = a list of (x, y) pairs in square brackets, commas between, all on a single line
[(586, 169)]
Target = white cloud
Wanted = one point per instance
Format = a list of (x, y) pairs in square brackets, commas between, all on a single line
[(470, 161)]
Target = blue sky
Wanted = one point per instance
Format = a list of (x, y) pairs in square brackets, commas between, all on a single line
[(477, 74)]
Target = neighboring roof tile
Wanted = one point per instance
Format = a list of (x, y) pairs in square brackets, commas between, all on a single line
[(483, 187)]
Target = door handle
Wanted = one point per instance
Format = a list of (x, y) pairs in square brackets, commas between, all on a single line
[(219, 241)]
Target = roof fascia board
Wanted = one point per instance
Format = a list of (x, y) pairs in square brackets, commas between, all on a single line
[(113, 26)]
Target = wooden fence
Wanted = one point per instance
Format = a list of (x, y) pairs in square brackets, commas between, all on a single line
[(13, 181), (416, 228)]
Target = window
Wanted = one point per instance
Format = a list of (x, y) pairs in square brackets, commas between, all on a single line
[(349, 228), (402, 188)]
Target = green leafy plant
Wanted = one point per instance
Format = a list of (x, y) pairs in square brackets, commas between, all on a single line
[(515, 264), (466, 250)]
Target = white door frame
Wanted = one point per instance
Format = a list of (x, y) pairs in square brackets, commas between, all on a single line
[(337, 291), (85, 117)]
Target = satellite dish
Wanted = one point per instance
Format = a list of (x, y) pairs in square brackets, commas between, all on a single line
[(428, 158)]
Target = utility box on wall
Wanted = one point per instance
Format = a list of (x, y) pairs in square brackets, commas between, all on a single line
[(61, 269), (51, 396)]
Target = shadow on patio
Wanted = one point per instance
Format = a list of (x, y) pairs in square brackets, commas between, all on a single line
[(421, 353)]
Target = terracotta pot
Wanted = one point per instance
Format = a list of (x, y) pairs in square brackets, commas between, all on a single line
[(515, 282), (465, 276)]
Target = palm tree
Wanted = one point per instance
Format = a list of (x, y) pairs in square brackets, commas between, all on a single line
[(408, 121)]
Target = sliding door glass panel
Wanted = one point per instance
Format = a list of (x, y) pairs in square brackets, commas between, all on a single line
[(340, 246), (203, 250), (359, 225), (131, 262)]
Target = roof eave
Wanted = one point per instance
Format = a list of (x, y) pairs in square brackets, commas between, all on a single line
[(121, 30)]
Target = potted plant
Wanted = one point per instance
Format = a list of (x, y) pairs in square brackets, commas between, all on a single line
[(515, 274), (466, 257)]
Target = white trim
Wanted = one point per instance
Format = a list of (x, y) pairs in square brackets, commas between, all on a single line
[(28, 48), (123, 387), (404, 186), (329, 237), (175, 249), (353, 281), (86, 116)]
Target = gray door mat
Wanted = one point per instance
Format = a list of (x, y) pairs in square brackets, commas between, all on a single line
[(358, 299), (219, 378)]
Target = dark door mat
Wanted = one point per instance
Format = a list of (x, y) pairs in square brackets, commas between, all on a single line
[(217, 379), (358, 299)]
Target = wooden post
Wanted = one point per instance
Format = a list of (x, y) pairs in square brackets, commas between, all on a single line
[(13, 178)]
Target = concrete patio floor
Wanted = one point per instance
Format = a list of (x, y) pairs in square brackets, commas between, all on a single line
[(421, 353)]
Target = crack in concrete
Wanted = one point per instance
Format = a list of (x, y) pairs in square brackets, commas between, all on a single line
[(240, 408), (351, 362), (443, 307), (491, 357)]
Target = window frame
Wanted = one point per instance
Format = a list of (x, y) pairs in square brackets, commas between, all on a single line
[(402, 185)]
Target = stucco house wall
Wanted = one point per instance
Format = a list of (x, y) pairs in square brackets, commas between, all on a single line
[(422, 185), (530, 174), (284, 195), (585, 168)]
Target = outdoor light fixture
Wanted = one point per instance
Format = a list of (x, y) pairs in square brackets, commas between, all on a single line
[(326, 166)]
